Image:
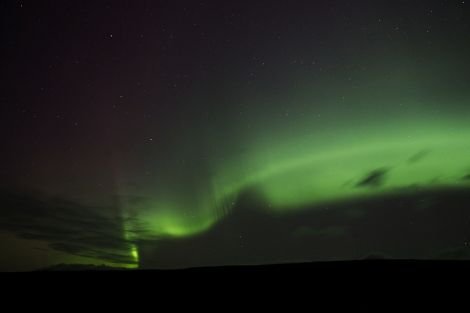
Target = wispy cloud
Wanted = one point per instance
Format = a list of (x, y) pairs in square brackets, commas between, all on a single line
[(68, 227)]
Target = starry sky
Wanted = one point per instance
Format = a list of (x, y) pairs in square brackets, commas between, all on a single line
[(172, 134)]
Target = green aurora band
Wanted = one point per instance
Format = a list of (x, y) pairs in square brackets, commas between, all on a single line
[(297, 174), (312, 143)]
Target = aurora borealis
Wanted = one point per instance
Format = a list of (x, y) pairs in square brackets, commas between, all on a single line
[(152, 134)]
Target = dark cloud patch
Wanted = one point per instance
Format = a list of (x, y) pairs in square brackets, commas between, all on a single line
[(135, 200), (95, 232), (392, 225), (81, 267), (419, 156), (375, 178), (306, 231), (354, 212), (103, 253), (376, 256), (458, 253)]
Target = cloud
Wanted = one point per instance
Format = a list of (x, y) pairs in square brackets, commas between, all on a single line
[(455, 254), (375, 178), (87, 231), (417, 157), (305, 231), (376, 256)]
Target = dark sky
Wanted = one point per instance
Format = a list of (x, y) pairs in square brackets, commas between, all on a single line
[(185, 133)]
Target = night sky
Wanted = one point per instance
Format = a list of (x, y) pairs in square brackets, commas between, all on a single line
[(170, 134)]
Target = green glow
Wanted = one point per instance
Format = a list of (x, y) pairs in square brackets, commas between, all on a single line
[(336, 174), (173, 221), (310, 170), (135, 254), (129, 236), (177, 226)]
